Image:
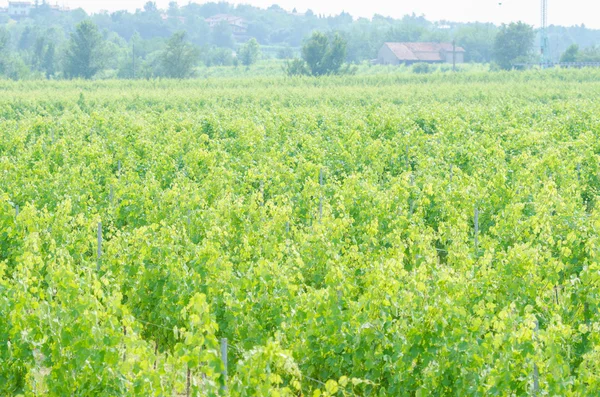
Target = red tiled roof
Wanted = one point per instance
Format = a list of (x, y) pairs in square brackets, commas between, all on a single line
[(421, 51), (402, 52)]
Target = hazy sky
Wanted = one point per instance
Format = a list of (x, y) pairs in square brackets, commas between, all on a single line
[(562, 12)]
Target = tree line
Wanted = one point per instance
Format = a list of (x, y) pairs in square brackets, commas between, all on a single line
[(170, 43)]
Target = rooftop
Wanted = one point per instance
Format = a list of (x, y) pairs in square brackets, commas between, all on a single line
[(422, 51)]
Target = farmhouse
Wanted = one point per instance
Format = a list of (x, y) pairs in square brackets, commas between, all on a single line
[(408, 53), (19, 9)]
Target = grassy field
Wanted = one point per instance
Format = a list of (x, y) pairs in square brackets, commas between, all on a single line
[(391, 234)]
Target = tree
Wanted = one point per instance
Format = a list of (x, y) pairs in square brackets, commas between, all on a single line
[(513, 43), (285, 53), (222, 35), (296, 67), (85, 54), (478, 41), (250, 52), (571, 54), (28, 38), (324, 56), (590, 54), (38, 52), (49, 62), (217, 57), (4, 40), (179, 57), (150, 7), (173, 10)]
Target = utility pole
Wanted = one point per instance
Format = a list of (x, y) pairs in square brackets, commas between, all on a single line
[(545, 47), (133, 57)]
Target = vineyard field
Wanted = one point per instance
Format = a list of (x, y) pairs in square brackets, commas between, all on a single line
[(406, 235)]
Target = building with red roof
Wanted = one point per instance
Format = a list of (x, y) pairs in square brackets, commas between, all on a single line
[(409, 53)]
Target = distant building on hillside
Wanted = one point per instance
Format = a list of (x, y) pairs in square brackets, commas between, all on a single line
[(409, 53), (238, 25), (19, 9)]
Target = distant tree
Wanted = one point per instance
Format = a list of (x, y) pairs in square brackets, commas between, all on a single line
[(478, 41), (590, 54), (219, 57), (513, 43), (198, 30), (38, 52), (222, 35), (78, 15), (337, 21), (4, 40), (249, 53), (285, 53), (296, 67), (85, 54), (406, 31), (173, 10), (179, 57), (321, 55), (259, 30), (49, 61), (314, 53), (571, 54), (276, 7), (324, 56), (421, 68), (150, 7), (15, 68), (28, 38)]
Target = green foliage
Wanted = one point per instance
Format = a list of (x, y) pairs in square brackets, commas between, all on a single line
[(4, 49), (280, 33), (222, 36), (249, 53), (285, 53), (421, 68), (513, 44), (574, 54), (15, 68), (217, 57), (325, 227), (571, 54), (321, 56), (324, 55), (295, 67), (85, 55), (268, 370), (590, 54), (478, 41), (179, 57)]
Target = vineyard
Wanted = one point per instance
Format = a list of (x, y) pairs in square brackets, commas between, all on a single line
[(345, 236)]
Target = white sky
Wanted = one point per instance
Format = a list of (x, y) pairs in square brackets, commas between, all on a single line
[(561, 12)]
